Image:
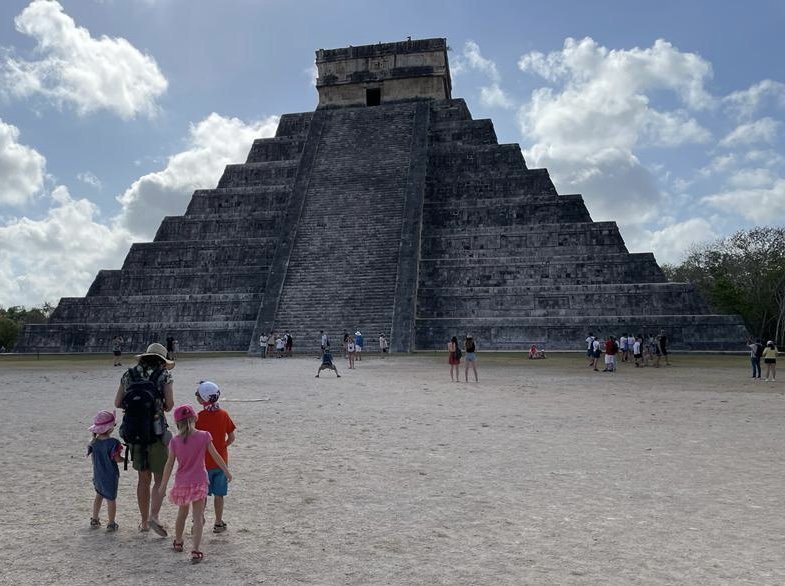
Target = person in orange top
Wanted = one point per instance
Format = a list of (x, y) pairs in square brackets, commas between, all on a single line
[(217, 421)]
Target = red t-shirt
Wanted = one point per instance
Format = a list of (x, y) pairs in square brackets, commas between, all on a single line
[(219, 424), (610, 347)]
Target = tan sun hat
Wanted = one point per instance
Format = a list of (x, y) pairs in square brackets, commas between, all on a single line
[(158, 350)]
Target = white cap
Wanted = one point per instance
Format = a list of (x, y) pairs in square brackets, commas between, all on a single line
[(208, 391)]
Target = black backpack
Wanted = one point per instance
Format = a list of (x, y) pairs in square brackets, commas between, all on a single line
[(141, 405)]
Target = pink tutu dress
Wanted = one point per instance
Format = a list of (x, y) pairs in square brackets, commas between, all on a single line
[(190, 481)]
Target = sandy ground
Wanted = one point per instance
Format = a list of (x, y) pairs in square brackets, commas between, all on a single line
[(543, 473)]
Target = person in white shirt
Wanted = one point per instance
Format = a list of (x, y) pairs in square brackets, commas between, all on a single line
[(382, 345)]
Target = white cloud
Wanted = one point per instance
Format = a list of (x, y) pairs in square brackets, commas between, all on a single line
[(59, 255), (764, 204), (747, 178), (587, 129), (90, 179), (719, 164), (494, 97), (475, 60), (760, 131), (671, 242), (745, 103), (212, 144), (75, 69), (21, 168)]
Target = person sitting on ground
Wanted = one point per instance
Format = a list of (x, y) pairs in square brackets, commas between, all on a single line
[(535, 353), (327, 362)]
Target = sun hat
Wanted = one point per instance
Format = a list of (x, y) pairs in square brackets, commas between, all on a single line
[(208, 391), (770, 343), (468, 336), (158, 350), (184, 412), (357, 333), (102, 422)]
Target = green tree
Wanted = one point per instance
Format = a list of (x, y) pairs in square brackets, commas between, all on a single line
[(743, 273), (13, 319)]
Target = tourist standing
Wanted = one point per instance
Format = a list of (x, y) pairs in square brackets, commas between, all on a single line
[(770, 360), (471, 357), (153, 371), (611, 348), (756, 352), (324, 340), (170, 347), (288, 342), (345, 342), (454, 359), (270, 345), (350, 350), (596, 353), (117, 349), (590, 349), (263, 344), (279, 346), (662, 348), (636, 350), (382, 344), (358, 344)]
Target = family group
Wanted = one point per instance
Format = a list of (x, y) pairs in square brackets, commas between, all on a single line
[(198, 450)]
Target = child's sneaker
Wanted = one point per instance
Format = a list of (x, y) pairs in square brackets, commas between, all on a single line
[(219, 527), (112, 527)]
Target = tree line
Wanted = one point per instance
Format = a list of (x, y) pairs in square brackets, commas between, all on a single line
[(13, 319), (743, 274)]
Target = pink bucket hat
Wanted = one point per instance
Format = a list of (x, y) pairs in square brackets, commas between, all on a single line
[(183, 412), (102, 422)]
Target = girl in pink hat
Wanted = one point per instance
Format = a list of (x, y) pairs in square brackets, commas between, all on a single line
[(106, 452), (188, 447)]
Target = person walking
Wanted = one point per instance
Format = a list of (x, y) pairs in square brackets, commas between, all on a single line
[(145, 394), (189, 448), (106, 452)]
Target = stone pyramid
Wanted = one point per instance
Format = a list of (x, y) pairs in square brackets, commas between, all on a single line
[(386, 210)]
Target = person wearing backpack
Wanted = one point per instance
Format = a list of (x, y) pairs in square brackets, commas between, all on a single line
[(756, 351), (145, 394)]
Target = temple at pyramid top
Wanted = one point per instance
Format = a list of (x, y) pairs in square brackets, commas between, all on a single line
[(371, 75), (388, 210)]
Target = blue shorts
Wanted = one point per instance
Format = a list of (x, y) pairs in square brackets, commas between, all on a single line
[(218, 485)]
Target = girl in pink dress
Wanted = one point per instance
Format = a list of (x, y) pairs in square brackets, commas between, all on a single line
[(188, 447)]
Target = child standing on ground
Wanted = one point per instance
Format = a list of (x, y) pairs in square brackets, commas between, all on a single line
[(189, 447), (106, 452), (216, 420), (770, 360), (327, 362)]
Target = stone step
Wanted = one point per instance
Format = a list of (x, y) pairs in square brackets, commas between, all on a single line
[(279, 148), (211, 227), (294, 125), (201, 254), (465, 132), (513, 212), (251, 174), (239, 200), (218, 279)]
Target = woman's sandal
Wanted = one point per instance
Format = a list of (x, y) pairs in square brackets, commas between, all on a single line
[(196, 557), (94, 523), (177, 546), (112, 527)]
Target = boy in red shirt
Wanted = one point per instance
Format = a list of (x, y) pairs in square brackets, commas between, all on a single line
[(217, 421)]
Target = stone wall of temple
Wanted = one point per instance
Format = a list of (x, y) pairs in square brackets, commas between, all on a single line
[(405, 218)]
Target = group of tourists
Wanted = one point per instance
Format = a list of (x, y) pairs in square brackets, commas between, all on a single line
[(456, 353), (641, 349), (767, 353), (278, 345), (199, 451)]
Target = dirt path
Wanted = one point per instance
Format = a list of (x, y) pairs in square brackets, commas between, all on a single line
[(543, 473)]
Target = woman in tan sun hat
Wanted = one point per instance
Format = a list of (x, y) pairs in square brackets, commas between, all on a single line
[(144, 429)]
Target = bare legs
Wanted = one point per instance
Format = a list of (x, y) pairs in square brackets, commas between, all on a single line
[(466, 370), (218, 505), (149, 505), (111, 508)]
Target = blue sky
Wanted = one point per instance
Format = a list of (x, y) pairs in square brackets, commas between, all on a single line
[(667, 117)]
